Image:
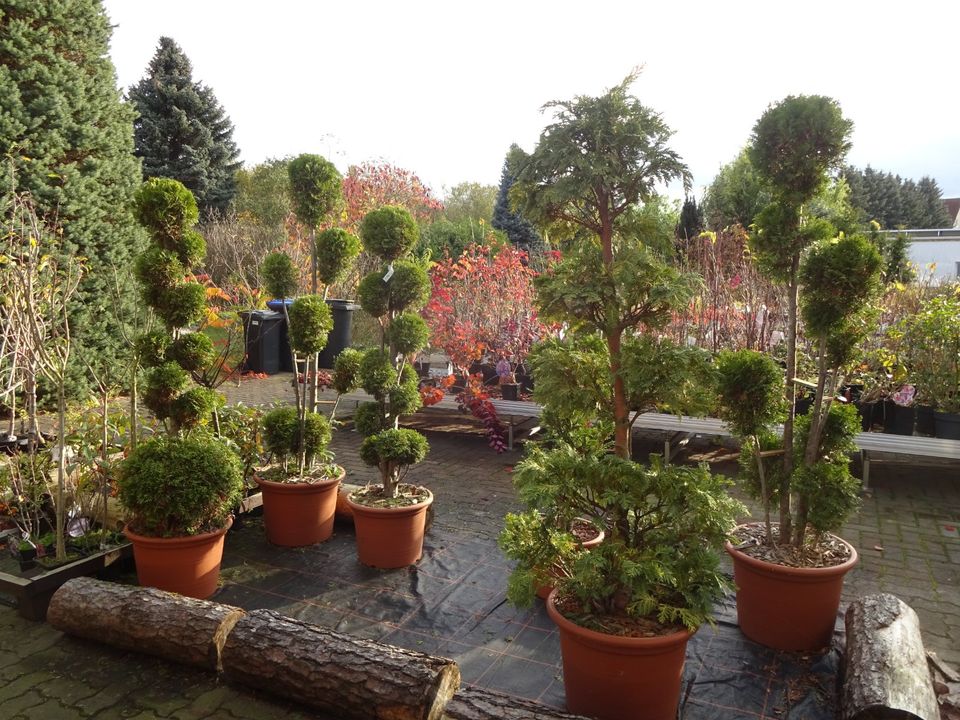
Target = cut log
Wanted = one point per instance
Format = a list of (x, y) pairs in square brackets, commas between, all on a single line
[(886, 667), (480, 704), (337, 673), (150, 621)]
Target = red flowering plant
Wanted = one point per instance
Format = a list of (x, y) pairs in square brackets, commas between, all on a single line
[(482, 306)]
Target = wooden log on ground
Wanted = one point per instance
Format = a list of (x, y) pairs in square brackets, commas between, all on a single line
[(886, 667), (150, 621), (337, 673), (480, 704)]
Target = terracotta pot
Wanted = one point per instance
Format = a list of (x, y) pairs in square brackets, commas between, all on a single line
[(390, 537), (788, 608), (544, 590), (612, 677), (186, 565), (298, 514)]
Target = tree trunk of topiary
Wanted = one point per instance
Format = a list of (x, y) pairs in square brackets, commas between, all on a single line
[(793, 288)]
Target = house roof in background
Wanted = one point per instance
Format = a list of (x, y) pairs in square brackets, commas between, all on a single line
[(953, 209)]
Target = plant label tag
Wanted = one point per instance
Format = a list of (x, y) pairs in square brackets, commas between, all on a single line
[(389, 273)]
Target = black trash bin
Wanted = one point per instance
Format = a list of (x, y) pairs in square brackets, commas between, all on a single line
[(339, 338), (262, 332)]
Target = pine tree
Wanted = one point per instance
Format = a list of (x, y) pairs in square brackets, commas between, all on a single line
[(183, 132), (691, 222), (517, 228), (69, 138), (935, 215)]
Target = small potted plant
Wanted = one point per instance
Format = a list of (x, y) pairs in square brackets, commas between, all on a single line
[(300, 488), (390, 518), (178, 492)]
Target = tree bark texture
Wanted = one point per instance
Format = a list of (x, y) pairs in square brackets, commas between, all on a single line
[(149, 621), (480, 704), (337, 673), (886, 667)]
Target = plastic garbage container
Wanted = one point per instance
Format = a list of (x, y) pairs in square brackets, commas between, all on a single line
[(262, 330), (339, 338)]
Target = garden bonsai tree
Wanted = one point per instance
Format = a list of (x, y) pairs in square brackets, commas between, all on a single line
[(288, 437), (612, 289), (392, 295), (168, 211)]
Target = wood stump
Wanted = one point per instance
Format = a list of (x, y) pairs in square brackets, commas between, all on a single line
[(479, 704), (150, 621), (886, 667), (337, 673)]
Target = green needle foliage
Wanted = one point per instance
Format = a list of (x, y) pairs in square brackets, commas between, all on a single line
[(281, 435), (315, 188), (310, 322), (389, 232), (70, 143), (280, 275), (336, 249)]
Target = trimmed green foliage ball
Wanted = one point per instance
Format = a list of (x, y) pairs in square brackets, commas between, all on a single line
[(279, 430), (175, 486), (184, 305), (389, 232), (163, 384), (195, 407), (190, 249), (368, 419), (409, 286), (377, 374), (408, 333), (405, 397), (751, 386), (157, 271), (345, 370), (280, 277), (336, 250), (310, 323), (374, 294), (401, 447), (315, 188), (166, 208), (152, 347), (192, 351)]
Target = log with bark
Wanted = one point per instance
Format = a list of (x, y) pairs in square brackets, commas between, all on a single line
[(886, 668), (150, 621), (337, 673), (480, 704)]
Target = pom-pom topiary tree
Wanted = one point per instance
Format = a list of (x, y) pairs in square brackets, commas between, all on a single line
[(168, 211)]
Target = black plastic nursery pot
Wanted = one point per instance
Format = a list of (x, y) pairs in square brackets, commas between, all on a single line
[(898, 420), (870, 413), (510, 391), (947, 425), (926, 424)]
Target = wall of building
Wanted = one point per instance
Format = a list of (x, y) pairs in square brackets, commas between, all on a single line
[(944, 253)]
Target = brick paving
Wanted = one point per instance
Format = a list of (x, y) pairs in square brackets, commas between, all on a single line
[(906, 532)]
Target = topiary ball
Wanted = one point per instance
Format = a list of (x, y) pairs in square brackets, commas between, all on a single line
[(345, 370), (377, 374), (157, 271), (190, 249), (310, 323), (183, 305), (166, 208), (280, 430), (315, 188), (389, 232), (374, 295), (192, 351), (408, 333), (152, 347), (368, 419), (409, 286), (316, 435), (163, 384), (336, 249), (398, 447), (280, 276), (195, 407), (405, 398)]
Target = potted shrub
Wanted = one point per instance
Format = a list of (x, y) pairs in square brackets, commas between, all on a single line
[(390, 518), (179, 492), (299, 493), (789, 581), (626, 608), (932, 341)]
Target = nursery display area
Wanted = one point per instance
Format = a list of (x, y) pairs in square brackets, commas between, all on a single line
[(257, 468)]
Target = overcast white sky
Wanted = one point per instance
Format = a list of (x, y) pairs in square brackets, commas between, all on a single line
[(444, 88)]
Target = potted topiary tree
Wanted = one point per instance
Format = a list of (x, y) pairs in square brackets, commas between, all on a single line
[(788, 593), (179, 490), (390, 518), (626, 609), (299, 497)]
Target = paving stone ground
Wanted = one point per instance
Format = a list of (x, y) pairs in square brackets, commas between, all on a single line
[(906, 532)]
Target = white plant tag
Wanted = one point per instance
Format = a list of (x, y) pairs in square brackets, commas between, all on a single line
[(389, 273)]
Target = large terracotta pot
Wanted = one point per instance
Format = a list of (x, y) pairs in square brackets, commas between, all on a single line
[(298, 514), (788, 608), (186, 565), (614, 678), (390, 537)]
